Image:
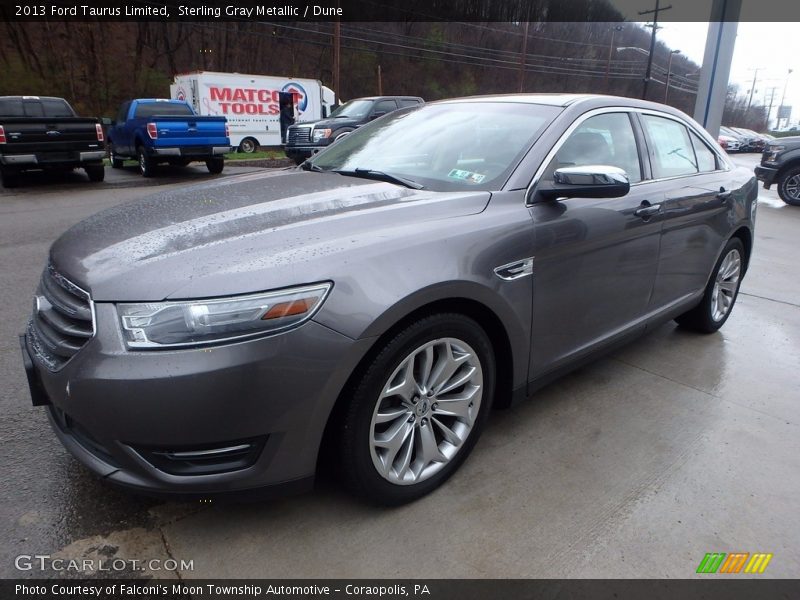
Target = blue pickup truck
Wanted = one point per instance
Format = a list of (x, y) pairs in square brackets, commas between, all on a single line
[(154, 131)]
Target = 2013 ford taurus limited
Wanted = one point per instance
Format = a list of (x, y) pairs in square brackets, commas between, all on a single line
[(374, 304)]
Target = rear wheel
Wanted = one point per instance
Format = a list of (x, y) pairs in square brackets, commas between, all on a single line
[(418, 410), (9, 178), (215, 165), (147, 167), (248, 145), (95, 172), (720, 293), (789, 187)]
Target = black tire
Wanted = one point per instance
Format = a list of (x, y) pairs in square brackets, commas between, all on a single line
[(248, 145), (116, 161), (9, 179), (215, 165), (790, 180), (95, 173), (701, 317), (358, 471), (147, 167)]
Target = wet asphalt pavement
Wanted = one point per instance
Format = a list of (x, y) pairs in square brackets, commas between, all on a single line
[(634, 466)]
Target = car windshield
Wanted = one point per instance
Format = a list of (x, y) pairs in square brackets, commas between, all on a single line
[(355, 109), (441, 147)]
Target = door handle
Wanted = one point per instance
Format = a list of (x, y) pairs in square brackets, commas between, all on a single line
[(647, 210)]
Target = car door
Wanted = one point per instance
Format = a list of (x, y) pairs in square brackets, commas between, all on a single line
[(595, 258), (694, 209), (381, 108), (120, 135)]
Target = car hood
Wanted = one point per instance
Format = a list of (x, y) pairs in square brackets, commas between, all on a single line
[(243, 234), (785, 141), (332, 123)]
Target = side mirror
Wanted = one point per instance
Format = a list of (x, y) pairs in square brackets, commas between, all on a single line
[(592, 181), (107, 121)]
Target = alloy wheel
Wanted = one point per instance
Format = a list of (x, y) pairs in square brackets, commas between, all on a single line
[(426, 411), (726, 284)]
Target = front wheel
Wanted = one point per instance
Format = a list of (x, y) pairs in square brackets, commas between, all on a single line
[(418, 409), (248, 145), (147, 167), (116, 161), (720, 293), (789, 187), (215, 165)]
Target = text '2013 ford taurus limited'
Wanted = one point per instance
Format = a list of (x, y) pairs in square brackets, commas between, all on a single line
[(380, 300)]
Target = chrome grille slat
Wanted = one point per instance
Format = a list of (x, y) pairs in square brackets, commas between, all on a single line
[(64, 300), (62, 321), (299, 135)]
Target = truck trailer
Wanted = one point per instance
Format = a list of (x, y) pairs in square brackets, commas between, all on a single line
[(252, 103)]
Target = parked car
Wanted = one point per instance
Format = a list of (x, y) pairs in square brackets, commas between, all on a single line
[(154, 131), (306, 139), (754, 141), (439, 261), (780, 164), (43, 132), (728, 143), (730, 132)]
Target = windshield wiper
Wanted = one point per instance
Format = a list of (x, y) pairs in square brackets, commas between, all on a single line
[(382, 176), (309, 166)]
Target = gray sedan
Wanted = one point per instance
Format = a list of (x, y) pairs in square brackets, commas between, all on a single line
[(373, 305)]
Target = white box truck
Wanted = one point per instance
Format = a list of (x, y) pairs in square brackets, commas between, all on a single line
[(251, 103)]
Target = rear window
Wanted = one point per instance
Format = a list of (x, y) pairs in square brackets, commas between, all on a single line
[(167, 109), (35, 107), (405, 102)]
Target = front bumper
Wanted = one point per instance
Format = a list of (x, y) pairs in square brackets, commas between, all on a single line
[(766, 175), (115, 409)]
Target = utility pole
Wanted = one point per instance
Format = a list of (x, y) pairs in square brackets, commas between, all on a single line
[(769, 110), (669, 74), (610, 52), (753, 88), (653, 12), (783, 100), (337, 34), (523, 56)]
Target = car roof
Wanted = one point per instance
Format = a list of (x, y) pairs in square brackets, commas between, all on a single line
[(565, 100), (31, 98), (388, 98)]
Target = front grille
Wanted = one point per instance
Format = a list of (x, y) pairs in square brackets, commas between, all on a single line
[(299, 135), (62, 320)]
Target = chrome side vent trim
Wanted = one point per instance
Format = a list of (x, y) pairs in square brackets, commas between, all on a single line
[(515, 270)]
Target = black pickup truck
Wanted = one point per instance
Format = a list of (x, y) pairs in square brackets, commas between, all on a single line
[(306, 139), (780, 164), (38, 132)]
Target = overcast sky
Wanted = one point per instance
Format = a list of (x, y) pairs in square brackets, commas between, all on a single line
[(773, 48)]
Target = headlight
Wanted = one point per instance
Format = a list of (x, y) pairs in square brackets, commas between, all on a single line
[(320, 134), (198, 322)]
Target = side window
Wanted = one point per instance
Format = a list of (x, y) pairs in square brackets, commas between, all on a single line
[(122, 115), (606, 139), (384, 106), (706, 159), (672, 151), (406, 102)]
